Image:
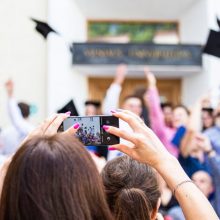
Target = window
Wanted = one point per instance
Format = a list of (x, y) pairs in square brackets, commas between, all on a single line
[(133, 32)]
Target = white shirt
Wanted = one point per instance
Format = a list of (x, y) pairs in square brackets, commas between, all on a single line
[(12, 136), (115, 153), (111, 100), (10, 139), (22, 125)]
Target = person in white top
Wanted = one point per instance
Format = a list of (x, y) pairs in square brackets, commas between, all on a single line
[(111, 101), (20, 126)]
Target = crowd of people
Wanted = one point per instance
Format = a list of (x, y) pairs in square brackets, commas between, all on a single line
[(88, 136), (167, 165)]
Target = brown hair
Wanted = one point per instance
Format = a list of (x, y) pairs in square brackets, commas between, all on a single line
[(53, 178), (131, 187), (25, 109), (166, 104)]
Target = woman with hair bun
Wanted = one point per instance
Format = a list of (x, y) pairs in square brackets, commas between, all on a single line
[(132, 189), (146, 148)]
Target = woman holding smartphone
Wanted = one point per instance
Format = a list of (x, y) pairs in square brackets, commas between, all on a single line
[(51, 176), (146, 148)]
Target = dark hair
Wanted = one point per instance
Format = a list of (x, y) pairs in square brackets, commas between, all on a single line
[(131, 187), (139, 92), (25, 109), (166, 104), (210, 111), (94, 103), (53, 178), (131, 96), (183, 107)]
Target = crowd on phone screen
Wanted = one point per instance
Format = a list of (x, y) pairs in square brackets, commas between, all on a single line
[(192, 135), (89, 136)]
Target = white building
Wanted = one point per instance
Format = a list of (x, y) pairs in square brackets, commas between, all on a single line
[(42, 70)]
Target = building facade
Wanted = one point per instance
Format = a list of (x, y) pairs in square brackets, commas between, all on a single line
[(43, 71)]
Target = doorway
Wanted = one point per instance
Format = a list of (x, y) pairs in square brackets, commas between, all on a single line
[(169, 89)]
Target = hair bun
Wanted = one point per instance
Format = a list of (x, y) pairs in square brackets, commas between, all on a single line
[(132, 203)]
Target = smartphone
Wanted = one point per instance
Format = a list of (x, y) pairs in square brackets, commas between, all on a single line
[(91, 131)]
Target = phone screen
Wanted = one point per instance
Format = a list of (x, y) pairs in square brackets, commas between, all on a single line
[(91, 132)]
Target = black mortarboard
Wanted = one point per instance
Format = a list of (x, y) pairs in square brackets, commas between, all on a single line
[(218, 22), (97, 104), (70, 106), (43, 28), (212, 46)]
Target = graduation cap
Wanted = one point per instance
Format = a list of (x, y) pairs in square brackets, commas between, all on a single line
[(97, 104), (70, 106), (212, 46), (43, 28), (218, 22)]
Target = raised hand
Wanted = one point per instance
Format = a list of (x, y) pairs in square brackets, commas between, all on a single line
[(203, 143), (145, 146), (9, 85), (151, 79), (121, 72), (51, 125)]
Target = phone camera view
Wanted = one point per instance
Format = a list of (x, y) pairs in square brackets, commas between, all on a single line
[(89, 132)]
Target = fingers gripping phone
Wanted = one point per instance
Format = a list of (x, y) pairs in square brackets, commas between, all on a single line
[(90, 131)]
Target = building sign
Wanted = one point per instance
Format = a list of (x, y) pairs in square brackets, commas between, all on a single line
[(136, 54)]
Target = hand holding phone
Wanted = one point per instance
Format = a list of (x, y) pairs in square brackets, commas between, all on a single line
[(91, 130)]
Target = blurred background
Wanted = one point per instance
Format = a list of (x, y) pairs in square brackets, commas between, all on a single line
[(46, 76)]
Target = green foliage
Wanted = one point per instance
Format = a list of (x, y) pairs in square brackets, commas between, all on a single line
[(138, 32)]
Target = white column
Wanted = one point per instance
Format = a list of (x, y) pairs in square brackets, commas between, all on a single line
[(194, 30), (213, 63), (63, 83), (195, 25)]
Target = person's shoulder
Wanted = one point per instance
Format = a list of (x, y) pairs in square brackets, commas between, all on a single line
[(214, 129), (10, 130), (3, 158), (176, 213)]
